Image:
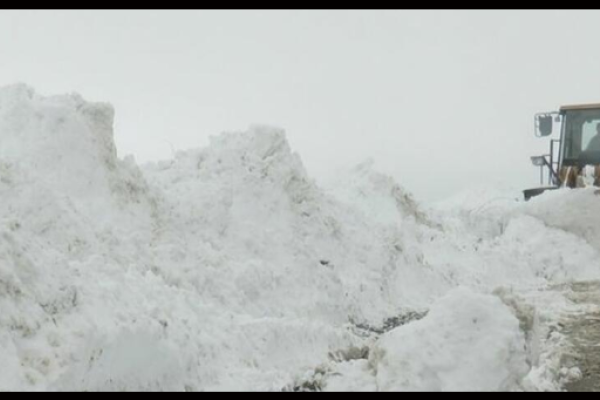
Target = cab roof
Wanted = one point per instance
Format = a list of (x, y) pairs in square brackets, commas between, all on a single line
[(595, 106)]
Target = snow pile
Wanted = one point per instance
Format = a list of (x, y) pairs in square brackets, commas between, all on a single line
[(69, 206), (574, 211), (289, 245), (228, 264), (517, 242), (468, 342), (228, 268)]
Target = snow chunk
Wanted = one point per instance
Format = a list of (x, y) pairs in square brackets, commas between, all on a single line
[(468, 342)]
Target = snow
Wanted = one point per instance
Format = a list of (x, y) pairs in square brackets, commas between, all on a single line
[(468, 342), (574, 211), (229, 268)]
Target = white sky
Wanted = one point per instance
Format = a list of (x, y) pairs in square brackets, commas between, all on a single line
[(442, 100)]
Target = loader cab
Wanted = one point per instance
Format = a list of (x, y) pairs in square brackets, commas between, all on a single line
[(574, 156), (580, 137)]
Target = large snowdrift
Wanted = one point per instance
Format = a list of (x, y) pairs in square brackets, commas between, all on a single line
[(228, 268)]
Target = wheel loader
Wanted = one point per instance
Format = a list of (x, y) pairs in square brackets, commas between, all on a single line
[(573, 159)]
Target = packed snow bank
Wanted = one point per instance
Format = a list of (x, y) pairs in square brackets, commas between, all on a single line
[(468, 342)]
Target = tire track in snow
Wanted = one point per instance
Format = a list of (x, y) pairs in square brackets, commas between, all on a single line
[(583, 333)]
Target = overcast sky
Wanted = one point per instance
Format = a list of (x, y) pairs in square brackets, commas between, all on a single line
[(442, 100)]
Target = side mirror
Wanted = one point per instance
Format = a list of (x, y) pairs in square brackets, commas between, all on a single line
[(544, 125)]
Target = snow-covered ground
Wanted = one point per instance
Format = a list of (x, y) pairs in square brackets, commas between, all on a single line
[(229, 268)]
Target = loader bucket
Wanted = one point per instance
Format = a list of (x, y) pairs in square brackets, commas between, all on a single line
[(530, 193)]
